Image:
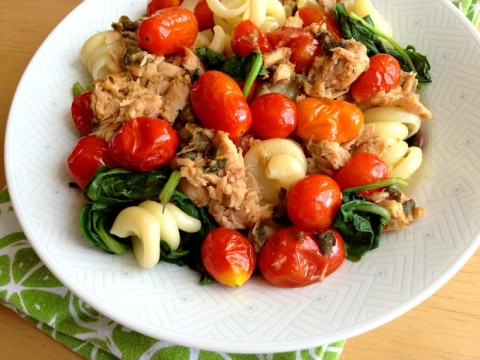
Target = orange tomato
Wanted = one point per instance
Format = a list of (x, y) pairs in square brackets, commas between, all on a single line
[(327, 119)]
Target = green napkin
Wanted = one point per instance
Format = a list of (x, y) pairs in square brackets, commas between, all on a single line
[(30, 289)]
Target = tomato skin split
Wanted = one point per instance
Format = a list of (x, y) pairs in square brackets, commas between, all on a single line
[(144, 144), (291, 258)]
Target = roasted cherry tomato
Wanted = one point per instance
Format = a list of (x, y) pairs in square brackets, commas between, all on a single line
[(383, 74), (144, 144), (168, 31), (303, 44), (292, 258), (332, 247), (316, 14), (228, 256), (273, 116), (218, 103), (313, 201), (88, 154), (363, 168), (204, 15), (247, 37), (155, 5), (82, 113), (327, 119)]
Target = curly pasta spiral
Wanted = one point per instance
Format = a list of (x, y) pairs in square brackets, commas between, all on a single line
[(150, 222), (394, 125)]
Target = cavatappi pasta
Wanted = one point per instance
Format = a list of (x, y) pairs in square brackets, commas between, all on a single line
[(395, 125), (276, 163), (149, 223), (100, 52)]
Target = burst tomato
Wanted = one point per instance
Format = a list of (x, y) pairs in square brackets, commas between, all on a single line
[(303, 44), (88, 154), (204, 15), (247, 37), (292, 258), (218, 103), (332, 248), (383, 74), (155, 5), (316, 14), (313, 201), (82, 113), (144, 144), (228, 256), (327, 119), (273, 116), (168, 31), (363, 168)]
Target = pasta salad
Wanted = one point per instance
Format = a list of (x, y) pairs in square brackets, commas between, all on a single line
[(240, 137)]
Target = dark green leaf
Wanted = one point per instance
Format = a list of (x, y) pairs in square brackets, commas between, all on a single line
[(364, 31)]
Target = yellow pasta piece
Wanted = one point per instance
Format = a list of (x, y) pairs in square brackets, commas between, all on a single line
[(394, 114), (144, 230), (275, 163), (409, 164)]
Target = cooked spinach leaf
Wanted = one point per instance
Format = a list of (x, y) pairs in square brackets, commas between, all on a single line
[(361, 222), (238, 67), (112, 190), (363, 30)]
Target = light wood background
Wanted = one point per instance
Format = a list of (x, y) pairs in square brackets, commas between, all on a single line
[(445, 326)]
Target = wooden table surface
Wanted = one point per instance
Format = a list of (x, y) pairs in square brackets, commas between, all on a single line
[(445, 326)]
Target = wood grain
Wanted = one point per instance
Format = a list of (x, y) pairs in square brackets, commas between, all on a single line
[(445, 326)]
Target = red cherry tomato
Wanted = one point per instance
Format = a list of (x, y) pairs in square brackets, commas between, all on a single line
[(204, 15), (82, 113), (316, 14), (303, 44), (247, 37), (218, 103), (334, 252), (328, 119), (144, 144), (383, 74), (88, 154), (292, 258), (273, 116), (363, 168), (168, 31), (228, 256), (155, 5), (313, 201)]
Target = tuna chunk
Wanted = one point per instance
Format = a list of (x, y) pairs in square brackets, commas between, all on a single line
[(216, 178), (333, 72), (152, 87), (404, 95)]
